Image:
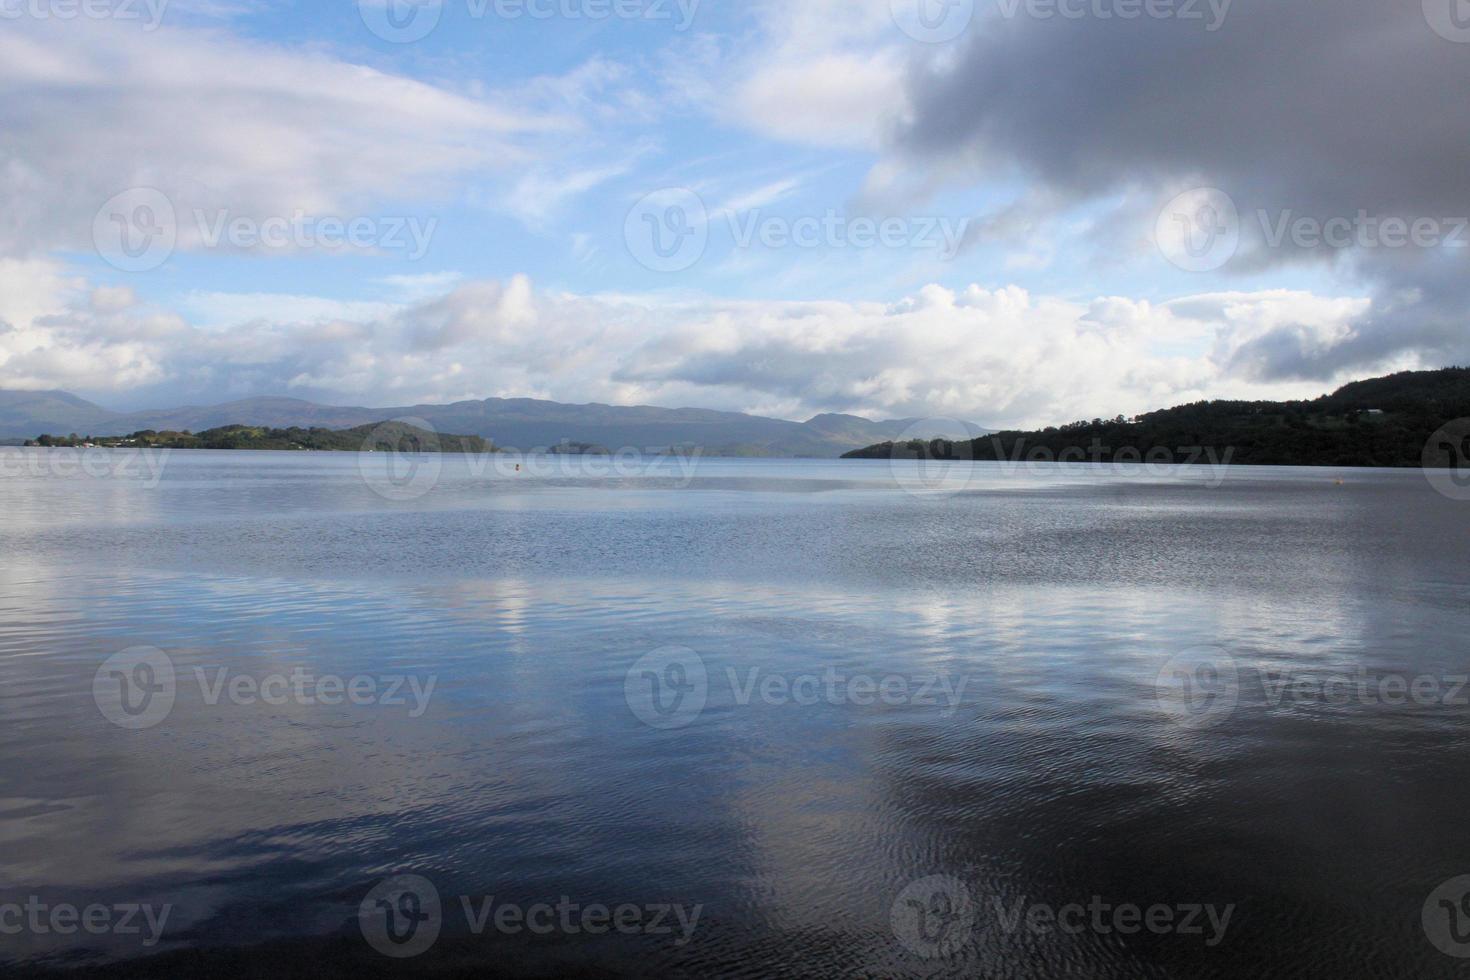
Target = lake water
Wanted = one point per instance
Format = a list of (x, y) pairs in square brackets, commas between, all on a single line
[(303, 712)]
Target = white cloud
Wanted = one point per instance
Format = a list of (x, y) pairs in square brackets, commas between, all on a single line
[(55, 333), (817, 72), (113, 299), (542, 194), (222, 123), (762, 196), (996, 356), (413, 288), (220, 310), (835, 98)]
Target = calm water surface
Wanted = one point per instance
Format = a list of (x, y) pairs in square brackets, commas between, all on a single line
[(847, 719)]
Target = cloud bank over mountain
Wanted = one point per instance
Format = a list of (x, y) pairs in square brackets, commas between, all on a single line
[(997, 356)]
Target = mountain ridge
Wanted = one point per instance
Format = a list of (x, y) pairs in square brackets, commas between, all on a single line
[(515, 423)]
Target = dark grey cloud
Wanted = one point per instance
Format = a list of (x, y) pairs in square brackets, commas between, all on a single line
[(1307, 109), (1341, 104)]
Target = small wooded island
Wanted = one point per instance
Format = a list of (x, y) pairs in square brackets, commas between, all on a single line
[(381, 437)]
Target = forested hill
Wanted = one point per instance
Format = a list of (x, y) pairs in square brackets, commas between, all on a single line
[(1385, 421)]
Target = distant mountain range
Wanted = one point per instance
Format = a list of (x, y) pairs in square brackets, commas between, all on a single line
[(1413, 418), (515, 423)]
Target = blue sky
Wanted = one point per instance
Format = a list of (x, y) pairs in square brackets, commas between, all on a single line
[(863, 213)]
